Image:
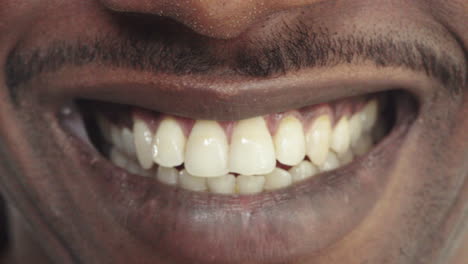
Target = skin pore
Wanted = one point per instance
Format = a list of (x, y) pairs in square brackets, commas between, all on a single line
[(406, 202)]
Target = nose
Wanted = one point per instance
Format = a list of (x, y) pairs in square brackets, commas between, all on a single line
[(213, 18)]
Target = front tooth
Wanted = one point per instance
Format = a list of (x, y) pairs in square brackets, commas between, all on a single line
[(302, 171), (118, 158), (276, 179), (128, 141), (369, 115), (290, 141), (340, 136), (355, 127), (318, 139), (143, 143), (249, 184), (363, 144), (331, 162), (207, 150), (191, 182), (169, 144), (167, 175), (225, 184), (252, 150)]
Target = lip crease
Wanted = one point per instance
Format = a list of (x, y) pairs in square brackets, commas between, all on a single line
[(270, 227)]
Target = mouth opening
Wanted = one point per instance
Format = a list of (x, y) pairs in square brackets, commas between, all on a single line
[(249, 156)]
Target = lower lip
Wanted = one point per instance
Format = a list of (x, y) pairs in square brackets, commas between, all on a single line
[(281, 226)]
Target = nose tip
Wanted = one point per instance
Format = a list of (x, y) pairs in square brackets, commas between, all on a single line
[(213, 18)]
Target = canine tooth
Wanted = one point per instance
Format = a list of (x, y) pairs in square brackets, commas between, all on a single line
[(318, 139), (369, 115), (225, 184), (169, 144), (252, 151), (346, 158), (331, 162), (355, 127), (290, 141), (191, 182), (143, 143), (363, 144), (128, 141), (276, 179), (118, 158), (207, 149), (340, 136), (249, 184), (167, 175), (302, 171)]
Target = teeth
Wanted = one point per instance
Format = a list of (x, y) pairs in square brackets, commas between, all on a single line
[(302, 171), (252, 150), (118, 158), (143, 138), (168, 144), (116, 136), (207, 150), (340, 136), (224, 184), (167, 175), (369, 115), (276, 179), (355, 127), (191, 182), (289, 141), (318, 139), (249, 184), (346, 158), (128, 142), (362, 145), (330, 163)]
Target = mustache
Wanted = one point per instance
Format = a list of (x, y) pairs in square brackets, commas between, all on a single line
[(290, 48)]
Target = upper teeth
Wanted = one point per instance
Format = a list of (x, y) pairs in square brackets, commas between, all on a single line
[(250, 150)]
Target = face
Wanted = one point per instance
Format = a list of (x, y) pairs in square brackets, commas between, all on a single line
[(193, 131)]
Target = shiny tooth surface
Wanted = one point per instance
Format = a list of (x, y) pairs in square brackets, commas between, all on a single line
[(191, 182), (346, 158), (168, 144), (128, 141), (276, 179), (363, 144), (331, 162), (225, 184), (207, 149), (249, 184), (318, 139), (252, 151), (340, 137), (369, 115), (118, 158), (143, 143), (167, 175), (302, 171), (355, 127), (290, 141)]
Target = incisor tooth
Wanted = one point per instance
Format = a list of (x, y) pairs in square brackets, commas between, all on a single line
[(276, 179), (249, 184), (302, 171), (290, 141), (355, 127), (225, 184), (168, 144), (369, 115), (143, 138), (206, 154), (167, 175), (191, 182), (252, 150), (340, 136), (331, 162), (318, 139)]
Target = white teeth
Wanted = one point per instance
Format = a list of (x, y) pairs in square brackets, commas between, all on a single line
[(143, 143), (363, 144), (355, 127), (252, 150), (128, 142), (318, 139), (117, 158), (133, 167), (168, 145), (276, 179), (369, 115), (340, 136), (224, 184), (302, 171), (290, 141), (207, 150), (331, 162), (167, 175), (249, 184), (191, 182)]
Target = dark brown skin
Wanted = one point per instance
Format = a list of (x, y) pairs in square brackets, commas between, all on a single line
[(67, 204)]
